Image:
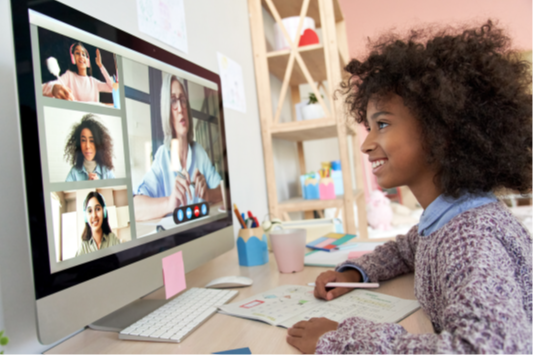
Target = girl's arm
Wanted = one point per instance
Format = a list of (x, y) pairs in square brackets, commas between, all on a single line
[(108, 85), (387, 261), (48, 87), (476, 306)]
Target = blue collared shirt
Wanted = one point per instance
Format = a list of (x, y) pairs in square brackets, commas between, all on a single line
[(444, 208), (160, 179), (440, 212), (76, 174)]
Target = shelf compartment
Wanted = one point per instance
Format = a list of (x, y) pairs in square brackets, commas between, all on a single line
[(298, 204), (300, 131), (313, 57), (287, 8), (307, 130)]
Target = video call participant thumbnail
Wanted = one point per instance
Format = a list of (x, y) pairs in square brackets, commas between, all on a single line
[(77, 83), (97, 233), (89, 150), (163, 189)]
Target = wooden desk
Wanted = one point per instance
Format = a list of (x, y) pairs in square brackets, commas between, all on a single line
[(222, 332)]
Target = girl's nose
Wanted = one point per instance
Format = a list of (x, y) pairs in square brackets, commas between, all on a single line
[(369, 144)]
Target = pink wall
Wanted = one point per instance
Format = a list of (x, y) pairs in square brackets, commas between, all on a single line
[(369, 18)]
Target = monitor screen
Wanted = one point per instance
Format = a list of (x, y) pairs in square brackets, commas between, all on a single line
[(123, 146)]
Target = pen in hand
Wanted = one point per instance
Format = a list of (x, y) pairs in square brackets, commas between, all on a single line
[(349, 284)]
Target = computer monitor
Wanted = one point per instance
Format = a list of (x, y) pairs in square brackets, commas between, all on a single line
[(124, 161)]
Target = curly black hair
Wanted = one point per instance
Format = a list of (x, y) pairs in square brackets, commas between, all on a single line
[(102, 141), (471, 95)]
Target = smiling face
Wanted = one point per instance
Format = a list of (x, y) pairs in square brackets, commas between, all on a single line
[(88, 148), (394, 146), (95, 214), (81, 58), (179, 114)]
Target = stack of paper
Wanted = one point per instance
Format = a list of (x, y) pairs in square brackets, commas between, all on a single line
[(345, 252)]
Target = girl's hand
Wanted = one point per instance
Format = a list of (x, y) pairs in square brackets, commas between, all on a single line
[(305, 334), (98, 58), (351, 275), (62, 92), (178, 197), (200, 185), (93, 176)]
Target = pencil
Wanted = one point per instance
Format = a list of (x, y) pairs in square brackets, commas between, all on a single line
[(239, 217)]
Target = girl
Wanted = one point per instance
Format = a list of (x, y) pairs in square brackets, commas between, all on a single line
[(77, 84), (450, 117), (90, 150), (97, 233)]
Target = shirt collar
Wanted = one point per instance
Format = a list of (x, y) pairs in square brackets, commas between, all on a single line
[(189, 158), (104, 238), (97, 170), (444, 208)]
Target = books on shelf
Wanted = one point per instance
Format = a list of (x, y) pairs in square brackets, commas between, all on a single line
[(286, 305)]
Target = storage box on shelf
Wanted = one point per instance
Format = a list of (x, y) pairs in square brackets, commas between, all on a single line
[(313, 65)]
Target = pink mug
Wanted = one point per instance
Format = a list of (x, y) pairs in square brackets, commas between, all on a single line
[(289, 249)]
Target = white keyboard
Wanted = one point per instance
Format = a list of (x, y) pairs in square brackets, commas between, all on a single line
[(179, 317)]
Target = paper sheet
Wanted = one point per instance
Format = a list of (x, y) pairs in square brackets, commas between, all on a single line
[(333, 258), (232, 83), (173, 274), (164, 20), (286, 305)]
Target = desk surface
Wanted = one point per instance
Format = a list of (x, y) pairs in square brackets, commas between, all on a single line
[(223, 332)]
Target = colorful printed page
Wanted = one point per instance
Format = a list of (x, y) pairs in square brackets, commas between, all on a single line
[(286, 305), (275, 306), (369, 305)]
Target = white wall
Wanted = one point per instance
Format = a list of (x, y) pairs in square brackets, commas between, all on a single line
[(223, 28)]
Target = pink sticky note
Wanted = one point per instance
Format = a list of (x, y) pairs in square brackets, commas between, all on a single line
[(173, 274), (358, 254)]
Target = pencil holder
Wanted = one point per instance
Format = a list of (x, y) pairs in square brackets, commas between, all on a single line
[(252, 247), (327, 189), (311, 189)]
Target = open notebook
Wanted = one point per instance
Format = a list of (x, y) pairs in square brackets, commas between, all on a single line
[(286, 305)]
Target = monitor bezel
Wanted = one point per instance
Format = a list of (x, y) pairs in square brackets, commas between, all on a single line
[(45, 282)]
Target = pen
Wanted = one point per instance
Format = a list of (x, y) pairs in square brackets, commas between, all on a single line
[(256, 222), (349, 284), (239, 217)]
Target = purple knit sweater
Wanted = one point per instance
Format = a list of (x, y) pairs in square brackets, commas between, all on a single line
[(472, 278)]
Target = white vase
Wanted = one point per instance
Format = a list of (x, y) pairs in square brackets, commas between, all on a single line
[(313, 111)]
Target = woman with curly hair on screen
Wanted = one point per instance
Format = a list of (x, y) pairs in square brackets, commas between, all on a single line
[(449, 115), (90, 150)]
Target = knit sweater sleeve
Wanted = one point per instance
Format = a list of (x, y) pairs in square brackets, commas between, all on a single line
[(387, 261), (481, 307)]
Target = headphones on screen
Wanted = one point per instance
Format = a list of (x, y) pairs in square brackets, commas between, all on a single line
[(85, 206), (72, 55)]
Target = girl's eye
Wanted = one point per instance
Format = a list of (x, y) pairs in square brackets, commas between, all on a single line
[(382, 125)]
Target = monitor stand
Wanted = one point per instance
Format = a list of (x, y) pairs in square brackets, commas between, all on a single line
[(127, 315)]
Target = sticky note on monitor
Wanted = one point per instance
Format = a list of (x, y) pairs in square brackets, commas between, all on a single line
[(173, 274)]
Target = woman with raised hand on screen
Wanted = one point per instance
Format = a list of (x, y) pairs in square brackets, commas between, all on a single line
[(90, 150), (194, 179), (97, 233), (77, 83)]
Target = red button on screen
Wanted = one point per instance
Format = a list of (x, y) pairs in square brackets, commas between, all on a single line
[(196, 211)]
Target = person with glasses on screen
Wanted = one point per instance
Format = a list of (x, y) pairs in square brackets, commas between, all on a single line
[(97, 233), (77, 83), (90, 151), (163, 188)]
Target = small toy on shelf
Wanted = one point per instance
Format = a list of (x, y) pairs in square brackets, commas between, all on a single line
[(379, 211)]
